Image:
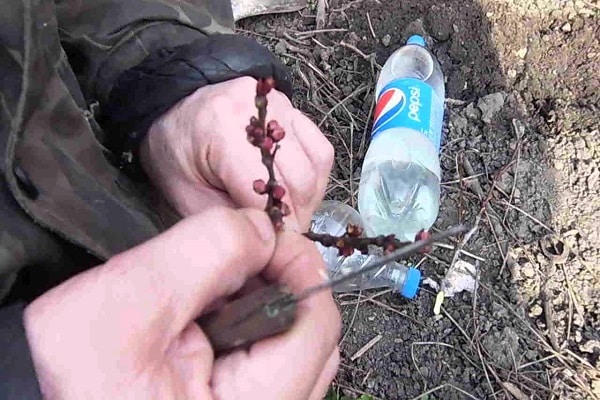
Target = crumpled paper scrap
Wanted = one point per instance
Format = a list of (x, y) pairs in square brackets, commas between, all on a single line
[(459, 278)]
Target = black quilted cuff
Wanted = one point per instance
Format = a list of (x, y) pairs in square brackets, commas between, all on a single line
[(146, 91)]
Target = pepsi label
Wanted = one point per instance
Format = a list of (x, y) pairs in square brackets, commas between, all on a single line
[(409, 103)]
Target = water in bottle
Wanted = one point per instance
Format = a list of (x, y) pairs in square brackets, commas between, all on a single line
[(333, 217), (399, 190)]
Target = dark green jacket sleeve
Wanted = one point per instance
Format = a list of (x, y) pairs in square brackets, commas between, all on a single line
[(136, 59), (103, 38)]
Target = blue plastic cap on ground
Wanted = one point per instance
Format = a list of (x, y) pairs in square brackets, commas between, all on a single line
[(416, 39), (411, 284)]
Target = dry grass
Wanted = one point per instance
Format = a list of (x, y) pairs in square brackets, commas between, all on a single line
[(345, 119)]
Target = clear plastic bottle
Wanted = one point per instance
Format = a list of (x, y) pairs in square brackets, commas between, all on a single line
[(332, 218), (399, 190)]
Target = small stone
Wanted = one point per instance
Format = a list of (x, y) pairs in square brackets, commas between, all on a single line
[(386, 40), (536, 311), (517, 193), (521, 53), (502, 346), (579, 143), (590, 346), (512, 74), (459, 123), (559, 164), (471, 112), (566, 27), (490, 105), (528, 270), (280, 47)]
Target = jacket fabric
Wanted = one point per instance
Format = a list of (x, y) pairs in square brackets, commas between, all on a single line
[(80, 82)]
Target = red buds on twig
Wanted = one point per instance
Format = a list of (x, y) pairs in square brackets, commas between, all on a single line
[(267, 137)]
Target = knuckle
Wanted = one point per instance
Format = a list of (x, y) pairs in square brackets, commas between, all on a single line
[(219, 101), (226, 233), (306, 190)]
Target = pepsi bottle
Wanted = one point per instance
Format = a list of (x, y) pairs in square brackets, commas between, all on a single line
[(399, 190)]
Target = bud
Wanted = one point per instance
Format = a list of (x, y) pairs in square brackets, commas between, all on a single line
[(354, 230), (253, 121), (390, 248), (249, 129), (285, 209), (251, 139), (259, 186), (260, 102), (277, 134), (278, 192), (347, 251), (276, 218), (258, 132), (278, 224), (423, 235), (270, 82), (267, 143), (264, 86), (272, 125)]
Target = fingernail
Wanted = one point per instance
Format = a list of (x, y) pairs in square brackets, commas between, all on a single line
[(262, 223)]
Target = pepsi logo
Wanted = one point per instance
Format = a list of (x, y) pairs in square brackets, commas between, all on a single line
[(390, 104)]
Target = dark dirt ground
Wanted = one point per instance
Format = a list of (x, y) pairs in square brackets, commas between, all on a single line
[(523, 98)]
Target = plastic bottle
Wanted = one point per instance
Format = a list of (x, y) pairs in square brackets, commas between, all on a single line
[(332, 218), (399, 190)]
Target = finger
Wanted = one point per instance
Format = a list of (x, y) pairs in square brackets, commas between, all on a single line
[(299, 177), (297, 357), (178, 274), (149, 294), (327, 375), (319, 151), (305, 180), (242, 166)]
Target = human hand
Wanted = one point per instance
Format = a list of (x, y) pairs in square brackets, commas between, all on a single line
[(126, 330), (198, 156)]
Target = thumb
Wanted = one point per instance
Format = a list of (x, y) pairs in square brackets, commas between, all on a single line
[(151, 292), (203, 258)]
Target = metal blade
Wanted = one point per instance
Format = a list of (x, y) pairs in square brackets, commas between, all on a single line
[(380, 262), (250, 8)]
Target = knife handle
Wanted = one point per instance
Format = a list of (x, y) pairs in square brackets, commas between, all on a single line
[(263, 313)]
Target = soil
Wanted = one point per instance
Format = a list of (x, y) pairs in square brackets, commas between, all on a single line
[(521, 150)]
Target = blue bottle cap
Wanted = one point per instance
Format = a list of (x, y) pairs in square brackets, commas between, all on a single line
[(416, 39), (411, 283)]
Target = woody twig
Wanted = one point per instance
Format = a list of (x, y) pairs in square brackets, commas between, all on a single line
[(266, 136)]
